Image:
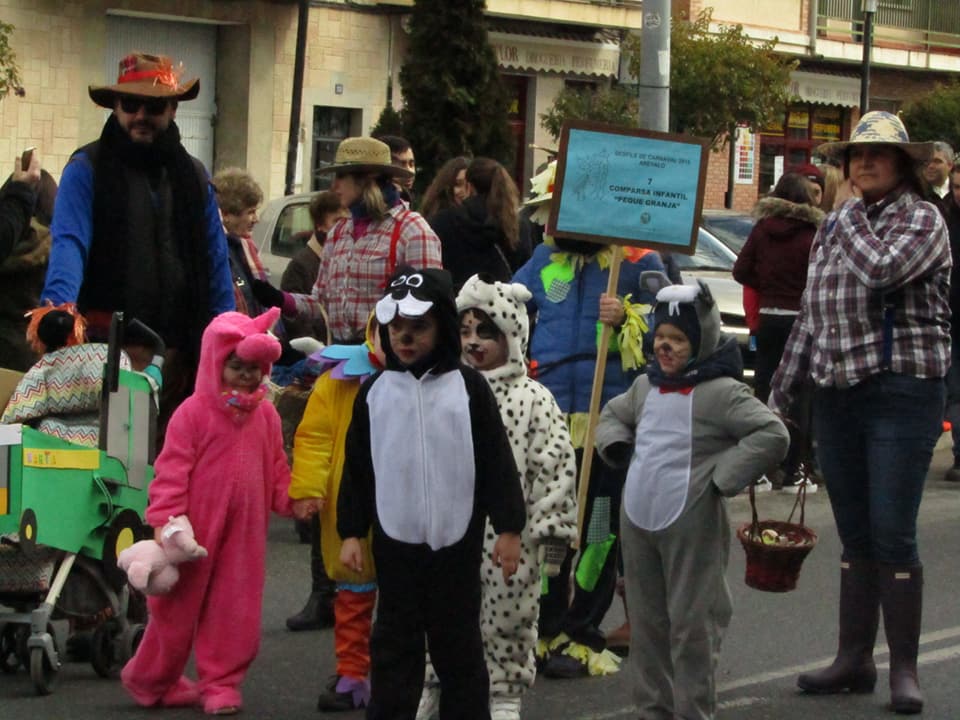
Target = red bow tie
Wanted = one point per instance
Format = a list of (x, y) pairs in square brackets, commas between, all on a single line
[(682, 390)]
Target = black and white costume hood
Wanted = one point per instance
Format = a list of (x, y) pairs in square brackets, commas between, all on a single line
[(412, 294)]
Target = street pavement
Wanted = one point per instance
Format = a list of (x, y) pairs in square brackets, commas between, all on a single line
[(771, 639)]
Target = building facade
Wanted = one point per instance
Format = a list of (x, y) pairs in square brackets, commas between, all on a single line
[(916, 45), (244, 52)]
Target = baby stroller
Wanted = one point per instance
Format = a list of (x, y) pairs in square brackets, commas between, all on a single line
[(66, 513)]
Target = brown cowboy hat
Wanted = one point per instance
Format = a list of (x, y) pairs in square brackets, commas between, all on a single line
[(149, 76), (364, 155)]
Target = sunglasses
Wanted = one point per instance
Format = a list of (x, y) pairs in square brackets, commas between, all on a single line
[(152, 106)]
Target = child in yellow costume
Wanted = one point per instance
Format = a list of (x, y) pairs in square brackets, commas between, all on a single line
[(318, 454)]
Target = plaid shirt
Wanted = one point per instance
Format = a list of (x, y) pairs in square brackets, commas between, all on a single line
[(353, 272), (895, 251)]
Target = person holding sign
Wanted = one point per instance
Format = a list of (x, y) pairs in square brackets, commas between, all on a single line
[(692, 433), (568, 282)]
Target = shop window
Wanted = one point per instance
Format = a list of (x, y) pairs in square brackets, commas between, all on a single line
[(890, 106), (581, 85), (827, 124), (798, 123)]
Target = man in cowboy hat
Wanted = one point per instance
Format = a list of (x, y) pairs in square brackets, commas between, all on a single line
[(136, 226)]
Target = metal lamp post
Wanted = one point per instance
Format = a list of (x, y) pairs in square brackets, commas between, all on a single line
[(869, 8)]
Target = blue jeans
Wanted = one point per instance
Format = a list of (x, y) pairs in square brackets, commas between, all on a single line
[(874, 443)]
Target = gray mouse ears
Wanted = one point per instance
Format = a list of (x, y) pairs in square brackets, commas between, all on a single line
[(654, 281)]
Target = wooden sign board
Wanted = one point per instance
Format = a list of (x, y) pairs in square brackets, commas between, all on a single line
[(625, 186)]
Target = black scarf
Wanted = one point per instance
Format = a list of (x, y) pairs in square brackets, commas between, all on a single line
[(164, 162)]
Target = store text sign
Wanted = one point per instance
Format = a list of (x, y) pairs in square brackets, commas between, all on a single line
[(624, 186)]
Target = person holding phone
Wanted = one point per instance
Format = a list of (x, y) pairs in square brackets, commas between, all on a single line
[(26, 198), (17, 199), (136, 226)]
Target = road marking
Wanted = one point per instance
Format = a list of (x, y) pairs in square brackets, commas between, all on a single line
[(925, 639), (926, 658)]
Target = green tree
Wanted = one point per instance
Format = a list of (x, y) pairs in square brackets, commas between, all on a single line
[(9, 70), (455, 101), (935, 115), (615, 105), (720, 80), (390, 122)]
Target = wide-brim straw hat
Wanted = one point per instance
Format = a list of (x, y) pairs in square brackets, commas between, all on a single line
[(881, 128), (364, 155), (148, 76)]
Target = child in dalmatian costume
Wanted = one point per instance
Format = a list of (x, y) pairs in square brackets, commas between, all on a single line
[(692, 434), (493, 332)]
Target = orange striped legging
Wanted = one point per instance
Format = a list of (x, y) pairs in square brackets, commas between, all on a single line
[(353, 613)]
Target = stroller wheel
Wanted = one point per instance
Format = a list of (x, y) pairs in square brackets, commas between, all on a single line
[(131, 641), (9, 659), (21, 635), (42, 672), (103, 654)]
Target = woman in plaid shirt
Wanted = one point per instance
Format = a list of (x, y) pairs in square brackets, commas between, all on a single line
[(873, 335), (362, 250)]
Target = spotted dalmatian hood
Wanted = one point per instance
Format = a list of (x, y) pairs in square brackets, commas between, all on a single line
[(505, 304)]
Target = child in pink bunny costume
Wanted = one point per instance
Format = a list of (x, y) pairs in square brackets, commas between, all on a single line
[(223, 466)]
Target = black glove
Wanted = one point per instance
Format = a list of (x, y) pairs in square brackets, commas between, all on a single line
[(266, 294)]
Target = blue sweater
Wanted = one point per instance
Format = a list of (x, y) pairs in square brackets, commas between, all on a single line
[(72, 230), (566, 327)]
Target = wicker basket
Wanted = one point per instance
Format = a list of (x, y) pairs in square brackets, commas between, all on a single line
[(775, 567)]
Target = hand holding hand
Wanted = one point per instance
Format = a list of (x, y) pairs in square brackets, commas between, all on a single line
[(506, 553), (351, 554), (266, 294), (306, 508), (611, 311)]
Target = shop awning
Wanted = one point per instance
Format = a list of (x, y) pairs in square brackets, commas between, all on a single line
[(560, 55), (825, 89)]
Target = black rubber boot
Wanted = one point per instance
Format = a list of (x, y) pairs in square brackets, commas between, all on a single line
[(853, 668), (901, 596), (317, 614), (318, 611)]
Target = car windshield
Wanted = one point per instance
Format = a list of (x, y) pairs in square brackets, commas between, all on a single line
[(731, 230), (293, 229), (711, 254)]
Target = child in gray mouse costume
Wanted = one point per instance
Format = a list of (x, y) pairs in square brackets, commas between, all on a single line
[(693, 434)]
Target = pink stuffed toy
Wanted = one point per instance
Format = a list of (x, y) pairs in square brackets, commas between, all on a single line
[(151, 567)]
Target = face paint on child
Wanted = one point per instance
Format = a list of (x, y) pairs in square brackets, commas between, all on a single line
[(412, 339), (241, 375), (484, 346), (672, 348)]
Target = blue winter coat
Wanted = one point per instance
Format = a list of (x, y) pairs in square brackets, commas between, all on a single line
[(564, 342)]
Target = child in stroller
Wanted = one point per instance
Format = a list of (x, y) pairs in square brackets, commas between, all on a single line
[(72, 494)]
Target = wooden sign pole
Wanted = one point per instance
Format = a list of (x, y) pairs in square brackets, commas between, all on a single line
[(595, 396)]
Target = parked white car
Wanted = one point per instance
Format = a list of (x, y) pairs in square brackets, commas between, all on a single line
[(713, 263), (284, 228)]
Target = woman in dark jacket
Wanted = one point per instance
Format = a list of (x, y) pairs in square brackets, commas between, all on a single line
[(774, 263), (481, 236)]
